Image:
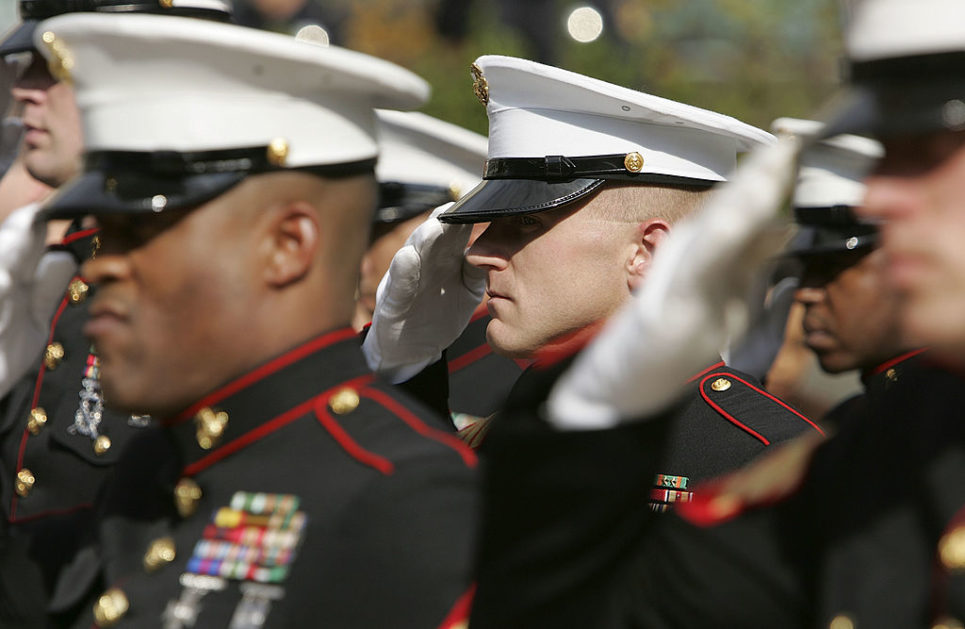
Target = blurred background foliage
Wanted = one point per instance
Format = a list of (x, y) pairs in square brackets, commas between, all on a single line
[(752, 60), (755, 61)]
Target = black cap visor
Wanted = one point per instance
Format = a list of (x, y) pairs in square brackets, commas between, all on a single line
[(97, 192), (829, 230), (20, 39), (495, 198)]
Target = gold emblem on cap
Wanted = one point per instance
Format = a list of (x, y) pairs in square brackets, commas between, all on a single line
[(344, 401), (166, 4), (720, 384), (187, 494), (77, 291), (480, 87), (161, 552), (61, 62), (110, 184), (102, 444), (110, 607), (53, 355), (278, 152), (25, 482), (951, 549), (210, 427), (38, 419), (633, 162)]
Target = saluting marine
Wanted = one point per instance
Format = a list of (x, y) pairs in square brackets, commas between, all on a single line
[(584, 181), (425, 163), (231, 174)]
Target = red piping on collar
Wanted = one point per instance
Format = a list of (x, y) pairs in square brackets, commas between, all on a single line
[(704, 371), (463, 361), (36, 397), (262, 372), (266, 428), (459, 613), (566, 345), (416, 424), (733, 419), (896, 360), (84, 233)]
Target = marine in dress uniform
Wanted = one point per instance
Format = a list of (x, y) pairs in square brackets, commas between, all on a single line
[(843, 533), (58, 442), (556, 138), (283, 485), (425, 163)]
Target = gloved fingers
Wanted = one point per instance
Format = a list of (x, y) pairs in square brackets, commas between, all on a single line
[(22, 243), (400, 285)]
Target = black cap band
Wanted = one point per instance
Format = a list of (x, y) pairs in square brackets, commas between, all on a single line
[(563, 168), (401, 201), (43, 9)]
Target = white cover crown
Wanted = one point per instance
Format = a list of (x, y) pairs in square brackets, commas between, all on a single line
[(420, 149), (882, 29), (154, 82), (832, 171), (537, 110)]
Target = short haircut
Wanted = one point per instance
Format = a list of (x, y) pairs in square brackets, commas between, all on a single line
[(634, 203)]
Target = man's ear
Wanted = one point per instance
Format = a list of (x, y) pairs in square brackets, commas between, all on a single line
[(291, 241), (649, 236)]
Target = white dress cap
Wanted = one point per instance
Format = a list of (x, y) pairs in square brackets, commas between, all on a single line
[(160, 83), (536, 110), (555, 136), (419, 149), (830, 185), (883, 29), (832, 171)]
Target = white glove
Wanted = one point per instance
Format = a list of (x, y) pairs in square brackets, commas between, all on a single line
[(32, 283), (693, 299), (425, 300)]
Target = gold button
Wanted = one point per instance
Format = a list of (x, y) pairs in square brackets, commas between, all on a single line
[(278, 152), (210, 427), (110, 607), (948, 623), (102, 444), (77, 291), (53, 355), (633, 162), (841, 621), (720, 384), (951, 549), (161, 552), (25, 482), (38, 419), (892, 375), (344, 401), (186, 497)]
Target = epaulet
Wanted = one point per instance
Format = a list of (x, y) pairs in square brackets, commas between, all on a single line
[(767, 480), (739, 400), (343, 400), (566, 345)]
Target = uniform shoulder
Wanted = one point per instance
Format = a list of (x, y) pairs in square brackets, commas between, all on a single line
[(740, 399), (396, 427)]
